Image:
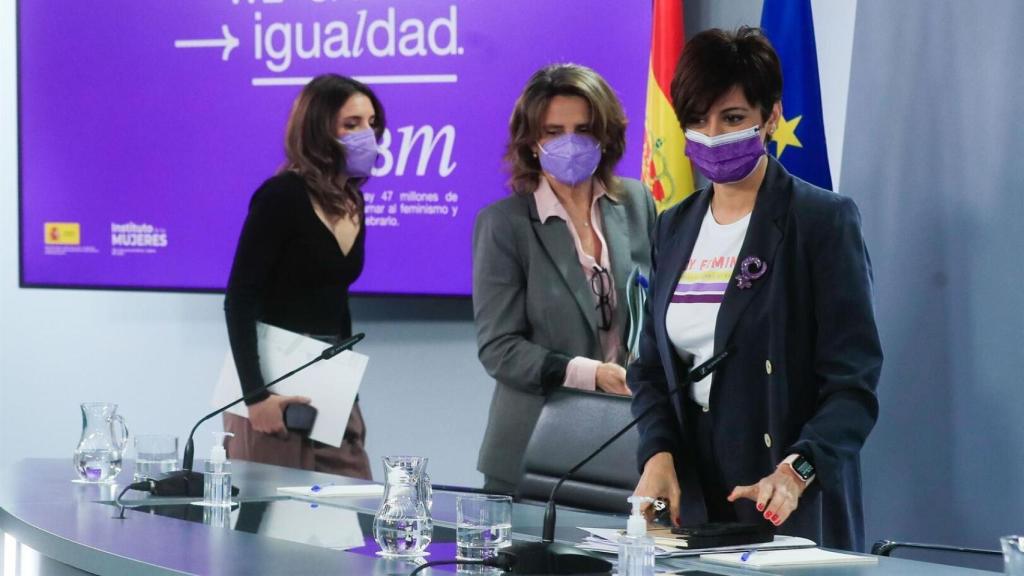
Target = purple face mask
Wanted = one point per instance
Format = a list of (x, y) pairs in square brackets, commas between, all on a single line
[(728, 157), (360, 152), (570, 158)]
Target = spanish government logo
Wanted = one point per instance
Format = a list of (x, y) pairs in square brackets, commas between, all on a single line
[(63, 233)]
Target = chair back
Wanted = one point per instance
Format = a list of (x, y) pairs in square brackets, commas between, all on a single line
[(573, 424)]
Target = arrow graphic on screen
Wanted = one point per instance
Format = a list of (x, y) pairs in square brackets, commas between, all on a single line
[(228, 43)]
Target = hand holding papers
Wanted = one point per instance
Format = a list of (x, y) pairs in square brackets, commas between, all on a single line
[(332, 384)]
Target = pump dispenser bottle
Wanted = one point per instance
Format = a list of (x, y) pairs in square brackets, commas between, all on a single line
[(217, 478), (636, 548)]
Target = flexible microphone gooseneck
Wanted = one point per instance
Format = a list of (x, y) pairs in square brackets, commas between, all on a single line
[(549, 557), (185, 482), (502, 561)]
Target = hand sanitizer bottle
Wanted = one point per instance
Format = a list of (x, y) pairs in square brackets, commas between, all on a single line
[(636, 548), (217, 479)]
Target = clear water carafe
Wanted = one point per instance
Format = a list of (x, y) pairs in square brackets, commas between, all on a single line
[(101, 448), (403, 526)]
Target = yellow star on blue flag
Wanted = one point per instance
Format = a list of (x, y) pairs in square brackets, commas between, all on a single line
[(800, 133), (785, 135)]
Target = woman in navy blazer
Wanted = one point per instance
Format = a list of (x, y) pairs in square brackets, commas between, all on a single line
[(775, 269)]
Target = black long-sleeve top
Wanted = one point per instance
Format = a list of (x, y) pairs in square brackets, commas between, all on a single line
[(289, 272)]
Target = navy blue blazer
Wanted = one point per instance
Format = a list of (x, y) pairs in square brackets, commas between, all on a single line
[(806, 365)]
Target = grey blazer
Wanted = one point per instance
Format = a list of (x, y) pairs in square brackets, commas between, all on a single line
[(535, 311)]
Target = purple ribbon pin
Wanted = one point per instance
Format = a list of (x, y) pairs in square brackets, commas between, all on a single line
[(751, 268)]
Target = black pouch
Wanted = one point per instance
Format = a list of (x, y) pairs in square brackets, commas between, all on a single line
[(717, 534), (299, 418)]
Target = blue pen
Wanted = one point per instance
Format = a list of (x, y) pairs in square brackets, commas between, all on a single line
[(746, 555)]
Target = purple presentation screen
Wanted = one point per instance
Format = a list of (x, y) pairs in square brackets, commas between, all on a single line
[(146, 125)]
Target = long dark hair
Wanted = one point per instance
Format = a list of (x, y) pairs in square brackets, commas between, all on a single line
[(311, 144)]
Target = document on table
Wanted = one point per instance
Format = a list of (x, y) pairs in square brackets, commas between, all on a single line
[(324, 526), (335, 491), (606, 540), (332, 384), (779, 558)]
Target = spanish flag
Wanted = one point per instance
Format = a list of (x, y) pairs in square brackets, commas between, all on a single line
[(666, 169)]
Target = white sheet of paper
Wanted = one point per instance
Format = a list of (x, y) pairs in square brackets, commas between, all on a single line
[(595, 544), (332, 384), (803, 557), (335, 491), (611, 535)]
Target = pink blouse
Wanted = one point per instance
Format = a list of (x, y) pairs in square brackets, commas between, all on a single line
[(582, 371)]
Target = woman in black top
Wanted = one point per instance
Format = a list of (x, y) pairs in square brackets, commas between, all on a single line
[(301, 247)]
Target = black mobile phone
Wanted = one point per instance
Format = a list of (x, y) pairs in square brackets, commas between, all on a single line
[(715, 534), (662, 514), (718, 529), (299, 418)]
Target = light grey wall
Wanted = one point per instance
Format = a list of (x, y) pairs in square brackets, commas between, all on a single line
[(703, 14), (932, 156), (425, 391), (8, 190)]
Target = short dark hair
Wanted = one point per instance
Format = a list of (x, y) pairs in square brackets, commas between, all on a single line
[(608, 123), (714, 61)]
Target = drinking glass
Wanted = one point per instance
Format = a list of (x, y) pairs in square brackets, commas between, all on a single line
[(155, 456), (483, 527), (1013, 555)]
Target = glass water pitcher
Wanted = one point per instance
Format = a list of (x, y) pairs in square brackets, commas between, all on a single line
[(101, 448), (403, 526)]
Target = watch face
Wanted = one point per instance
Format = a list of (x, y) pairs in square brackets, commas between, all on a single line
[(803, 467)]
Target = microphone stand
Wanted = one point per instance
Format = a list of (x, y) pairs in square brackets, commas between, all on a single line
[(550, 557), (185, 482)]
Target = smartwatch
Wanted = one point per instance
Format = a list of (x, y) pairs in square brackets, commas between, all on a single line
[(802, 466)]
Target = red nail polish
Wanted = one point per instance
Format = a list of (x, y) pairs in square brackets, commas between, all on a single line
[(775, 518), (767, 516), (760, 507)]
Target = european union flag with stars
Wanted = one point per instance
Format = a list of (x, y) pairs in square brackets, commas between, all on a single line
[(800, 136)]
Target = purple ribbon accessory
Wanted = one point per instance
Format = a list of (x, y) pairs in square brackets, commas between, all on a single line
[(751, 268)]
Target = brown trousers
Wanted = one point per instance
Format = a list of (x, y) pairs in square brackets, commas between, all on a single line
[(296, 451)]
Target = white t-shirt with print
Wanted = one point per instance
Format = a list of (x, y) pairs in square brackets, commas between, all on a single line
[(693, 312)]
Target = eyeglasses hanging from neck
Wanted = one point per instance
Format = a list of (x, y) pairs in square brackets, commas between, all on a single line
[(600, 283)]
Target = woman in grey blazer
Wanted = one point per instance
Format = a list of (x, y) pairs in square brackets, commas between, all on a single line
[(551, 262)]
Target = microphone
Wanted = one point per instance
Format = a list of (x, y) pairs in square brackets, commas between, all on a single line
[(549, 557), (502, 561), (185, 482)]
